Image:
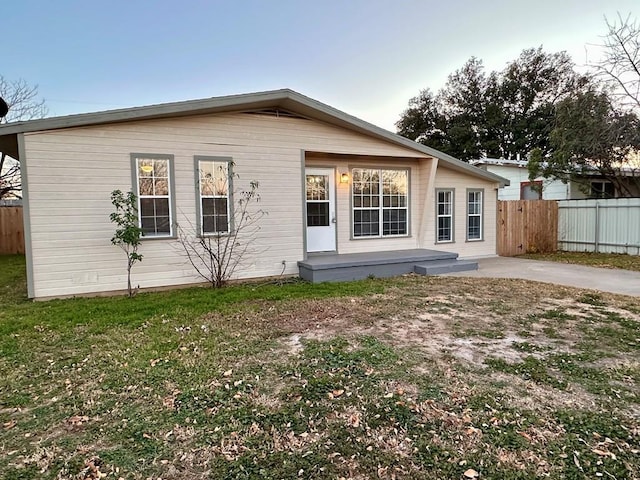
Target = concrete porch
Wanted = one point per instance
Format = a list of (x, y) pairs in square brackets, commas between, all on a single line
[(356, 266)]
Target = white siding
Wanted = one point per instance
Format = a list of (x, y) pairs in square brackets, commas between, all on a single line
[(72, 172), (449, 179), (551, 189)]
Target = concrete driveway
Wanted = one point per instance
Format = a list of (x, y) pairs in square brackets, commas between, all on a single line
[(622, 282)]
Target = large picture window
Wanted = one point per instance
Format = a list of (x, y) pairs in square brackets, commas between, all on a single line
[(444, 215), (474, 214), (214, 182), (380, 200), (154, 191)]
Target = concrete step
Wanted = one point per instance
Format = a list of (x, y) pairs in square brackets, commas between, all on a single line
[(440, 267)]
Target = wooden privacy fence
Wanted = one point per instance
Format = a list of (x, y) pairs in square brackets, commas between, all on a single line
[(11, 230), (527, 226)]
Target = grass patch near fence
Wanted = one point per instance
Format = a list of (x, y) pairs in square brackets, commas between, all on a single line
[(602, 260), (403, 378)]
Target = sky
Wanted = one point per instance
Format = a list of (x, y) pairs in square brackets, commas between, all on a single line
[(365, 57)]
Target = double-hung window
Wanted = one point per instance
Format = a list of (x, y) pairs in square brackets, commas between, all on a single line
[(154, 188), (474, 215), (214, 182), (444, 215), (380, 200)]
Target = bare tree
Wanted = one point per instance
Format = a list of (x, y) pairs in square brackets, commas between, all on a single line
[(216, 256), (24, 104), (620, 62)]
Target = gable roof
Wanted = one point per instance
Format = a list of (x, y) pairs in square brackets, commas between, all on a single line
[(285, 99)]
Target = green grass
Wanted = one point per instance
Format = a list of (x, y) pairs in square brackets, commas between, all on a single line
[(603, 260), (353, 380)]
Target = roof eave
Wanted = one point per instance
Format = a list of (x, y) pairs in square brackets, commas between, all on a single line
[(284, 98)]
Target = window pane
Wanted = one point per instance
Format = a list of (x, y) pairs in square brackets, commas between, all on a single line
[(366, 223), (394, 222), (146, 186), (220, 206), (215, 223), (148, 225), (162, 225), (317, 187), (146, 207), (474, 228), (222, 223), (214, 178), (145, 167), (161, 206), (214, 215), (161, 186), (317, 214), (444, 229), (160, 168)]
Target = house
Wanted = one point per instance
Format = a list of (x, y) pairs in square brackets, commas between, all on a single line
[(521, 188), (334, 187)]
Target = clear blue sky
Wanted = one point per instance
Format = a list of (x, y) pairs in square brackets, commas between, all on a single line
[(366, 57)]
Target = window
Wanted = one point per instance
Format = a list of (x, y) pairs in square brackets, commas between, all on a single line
[(444, 214), (380, 202), (474, 214), (214, 179), (531, 190), (602, 190), (154, 190)]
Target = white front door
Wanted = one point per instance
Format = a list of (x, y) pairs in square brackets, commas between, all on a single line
[(320, 209)]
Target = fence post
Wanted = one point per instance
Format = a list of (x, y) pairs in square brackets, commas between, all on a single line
[(596, 239)]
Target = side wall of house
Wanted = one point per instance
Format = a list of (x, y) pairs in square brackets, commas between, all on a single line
[(458, 182), (72, 172)]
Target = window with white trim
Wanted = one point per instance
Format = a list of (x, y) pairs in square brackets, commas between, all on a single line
[(154, 189), (474, 214), (214, 179), (380, 200), (444, 216)]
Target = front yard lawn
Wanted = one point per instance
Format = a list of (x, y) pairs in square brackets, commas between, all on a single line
[(411, 377), (603, 260)]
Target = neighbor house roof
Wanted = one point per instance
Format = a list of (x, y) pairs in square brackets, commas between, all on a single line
[(285, 99), (502, 162)]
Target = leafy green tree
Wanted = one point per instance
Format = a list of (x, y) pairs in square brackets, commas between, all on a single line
[(128, 233), (591, 137), (500, 114)]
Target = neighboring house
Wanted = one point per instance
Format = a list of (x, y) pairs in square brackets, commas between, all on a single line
[(330, 183), (521, 188)]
